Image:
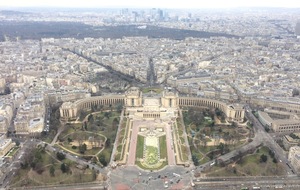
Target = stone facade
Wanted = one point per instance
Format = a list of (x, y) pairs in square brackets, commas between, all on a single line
[(290, 124), (294, 157), (5, 145), (151, 105)]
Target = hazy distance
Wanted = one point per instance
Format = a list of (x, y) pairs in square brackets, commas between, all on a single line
[(187, 4)]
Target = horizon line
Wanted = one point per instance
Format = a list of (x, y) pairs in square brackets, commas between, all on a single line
[(139, 7)]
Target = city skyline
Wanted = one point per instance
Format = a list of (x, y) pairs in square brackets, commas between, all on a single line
[(189, 4)]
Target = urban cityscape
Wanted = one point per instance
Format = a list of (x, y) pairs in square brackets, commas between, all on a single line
[(149, 98)]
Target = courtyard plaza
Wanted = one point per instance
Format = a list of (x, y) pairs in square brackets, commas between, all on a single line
[(150, 117), (143, 128)]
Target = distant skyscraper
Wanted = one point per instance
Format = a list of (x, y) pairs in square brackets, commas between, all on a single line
[(297, 29)]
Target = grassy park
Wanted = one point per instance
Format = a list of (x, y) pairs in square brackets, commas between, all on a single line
[(260, 163), (209, 136), (93, 137), (39, 168)]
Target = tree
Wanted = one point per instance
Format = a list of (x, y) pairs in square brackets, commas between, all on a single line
[(107, 114), (24, 165), (82, 148), (17, 142), (85, 125), (195, 160), (119, 108), (271, 153), (107, 142), (218, 112), (51, 170), (91, 118), (69, 139), (60, 156), (221, 146), (102, 160), (64, 168), (263, 158), (100, 107), (267, 129), (94, 174), (115, 123)]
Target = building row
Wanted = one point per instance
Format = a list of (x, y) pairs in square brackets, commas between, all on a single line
[(134, 98)]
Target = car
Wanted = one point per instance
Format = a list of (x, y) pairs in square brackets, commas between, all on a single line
[(166, 184)]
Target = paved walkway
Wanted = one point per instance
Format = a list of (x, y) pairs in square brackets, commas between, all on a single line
[(113, 154), (170, 148), (60, 130), (133, 144)]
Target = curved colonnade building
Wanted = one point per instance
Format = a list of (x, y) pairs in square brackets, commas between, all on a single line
[(150, 105)]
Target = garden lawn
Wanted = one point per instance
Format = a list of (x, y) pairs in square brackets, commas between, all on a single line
[(163, 147), (140, 147)]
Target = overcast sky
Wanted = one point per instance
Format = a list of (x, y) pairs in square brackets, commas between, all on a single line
[(151, 3)]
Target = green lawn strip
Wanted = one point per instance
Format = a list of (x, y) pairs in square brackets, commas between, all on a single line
[(122, 133), (155, 90), (184, 154), (180, 132), (13, 151), (140, 147), (204, 160), (118, 156), (164, 163), (163, 146), (182, 140), (119, 148)]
